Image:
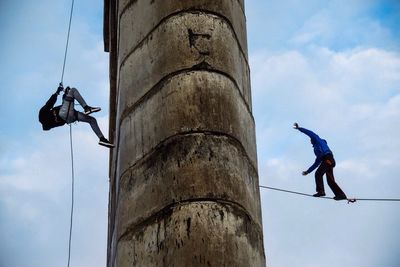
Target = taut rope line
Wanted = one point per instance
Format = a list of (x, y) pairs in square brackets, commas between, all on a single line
[(349, 199)]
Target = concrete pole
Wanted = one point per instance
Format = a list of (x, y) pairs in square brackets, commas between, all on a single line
[(183, 176)]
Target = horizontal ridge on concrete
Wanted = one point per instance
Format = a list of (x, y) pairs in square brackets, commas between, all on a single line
[(125, 4), (181, 134), (197, 101), (168, 210), (195, 166), (184, 228), (125, 54), (157, 87), (214, 47), (142, 17)]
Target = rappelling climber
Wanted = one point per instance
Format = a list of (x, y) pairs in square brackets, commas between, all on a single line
[(325, 163), (50, 116)]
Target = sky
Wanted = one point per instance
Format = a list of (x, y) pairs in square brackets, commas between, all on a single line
[(332, 66)]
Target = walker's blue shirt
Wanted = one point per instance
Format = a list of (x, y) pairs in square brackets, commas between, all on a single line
[(320, 147)]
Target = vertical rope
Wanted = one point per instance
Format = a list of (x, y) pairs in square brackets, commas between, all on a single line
[(67, 42), (70, 138), (72, 193)]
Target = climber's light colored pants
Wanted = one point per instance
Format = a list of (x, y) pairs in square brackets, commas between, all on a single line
[(70, 115)]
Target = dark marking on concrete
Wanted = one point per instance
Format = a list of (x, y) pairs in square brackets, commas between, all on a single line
[(196, 41), (221, 213), (188, 223)]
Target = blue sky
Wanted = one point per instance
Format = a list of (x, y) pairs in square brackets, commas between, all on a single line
[(333, 66)]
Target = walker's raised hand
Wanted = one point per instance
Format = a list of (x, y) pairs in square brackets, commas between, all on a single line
[(295, 125), (304, 173)]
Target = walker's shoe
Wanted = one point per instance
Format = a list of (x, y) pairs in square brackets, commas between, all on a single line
[(319, 194), (105, 142), (89, 109), (340, 197)]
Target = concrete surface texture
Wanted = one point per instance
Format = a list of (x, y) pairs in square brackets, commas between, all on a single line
[(184, 184)]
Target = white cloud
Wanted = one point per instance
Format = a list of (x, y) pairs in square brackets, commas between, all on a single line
[(323, 80), (341, 26), (35, 187)]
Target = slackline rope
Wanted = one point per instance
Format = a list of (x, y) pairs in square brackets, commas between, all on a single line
[(349, 199), (70, 138)]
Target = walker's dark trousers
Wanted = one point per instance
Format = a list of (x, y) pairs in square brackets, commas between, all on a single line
[(326, 167)]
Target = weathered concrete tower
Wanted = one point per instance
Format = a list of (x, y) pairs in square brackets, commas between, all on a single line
[(183, 176)]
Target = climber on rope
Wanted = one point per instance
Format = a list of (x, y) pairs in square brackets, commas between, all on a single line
[(325, 163), (50, 116)]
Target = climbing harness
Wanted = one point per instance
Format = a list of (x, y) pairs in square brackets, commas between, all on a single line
[(349, 200), (70, 101), (70, 137)]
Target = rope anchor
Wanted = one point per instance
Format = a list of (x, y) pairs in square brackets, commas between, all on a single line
[(351, 200)]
